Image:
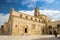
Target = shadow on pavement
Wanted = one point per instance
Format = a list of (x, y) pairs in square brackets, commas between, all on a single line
[(58, 38), (53, 38)]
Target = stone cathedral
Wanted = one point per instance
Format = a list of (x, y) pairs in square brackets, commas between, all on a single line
[(23, 24)]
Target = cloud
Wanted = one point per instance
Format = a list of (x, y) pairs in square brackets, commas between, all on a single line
[(27, 12), (3, 18), (33, 3), (31, 6), (48, 1), (30, 3), (53, 14)]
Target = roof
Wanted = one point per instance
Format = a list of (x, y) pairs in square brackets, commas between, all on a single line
[(42, 15)]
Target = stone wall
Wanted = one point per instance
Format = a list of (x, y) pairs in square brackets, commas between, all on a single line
[(33, 27)]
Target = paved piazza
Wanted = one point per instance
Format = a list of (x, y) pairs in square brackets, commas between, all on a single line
[(25, 37), (53, 38)]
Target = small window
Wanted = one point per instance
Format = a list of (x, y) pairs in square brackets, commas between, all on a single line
[(48, 21), (31, 18), (2, 26), (35, 19), (26, 16), (50, 27), (20, 15), (58, 25), (43, 31), (39, 20), (15, 25), (50, 32), (41, 17)]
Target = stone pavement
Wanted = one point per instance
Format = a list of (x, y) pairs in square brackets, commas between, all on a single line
[(53, 38), (25, 37), (48, 37)]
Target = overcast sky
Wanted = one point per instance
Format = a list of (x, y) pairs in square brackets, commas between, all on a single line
[(50, 8)]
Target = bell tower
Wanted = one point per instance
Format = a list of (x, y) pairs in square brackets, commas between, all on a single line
[(36, 12)]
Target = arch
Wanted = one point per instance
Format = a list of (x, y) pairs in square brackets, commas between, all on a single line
[(50, 32), (2, 26), (26, 16), (50, 27), (35, 19), (20, 15), (58, 25), (39, 20), (26, 29), (31, 18)]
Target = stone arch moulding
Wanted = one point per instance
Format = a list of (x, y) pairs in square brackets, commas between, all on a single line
[(26, 26)]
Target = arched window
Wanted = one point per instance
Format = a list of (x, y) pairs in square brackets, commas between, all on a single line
[(20, 15), (58, 25), (50, 27), (2, 26), (39, 20), (43, 31), (26, 16), (50, 32), (35, 19), (15, 25), (31, 18), (25, 30), (40, 17), (48, 21)]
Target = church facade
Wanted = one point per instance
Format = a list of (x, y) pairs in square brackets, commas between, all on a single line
[(22, 24)]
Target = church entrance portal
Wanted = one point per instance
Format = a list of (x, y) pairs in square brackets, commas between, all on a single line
[(25, 30)]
